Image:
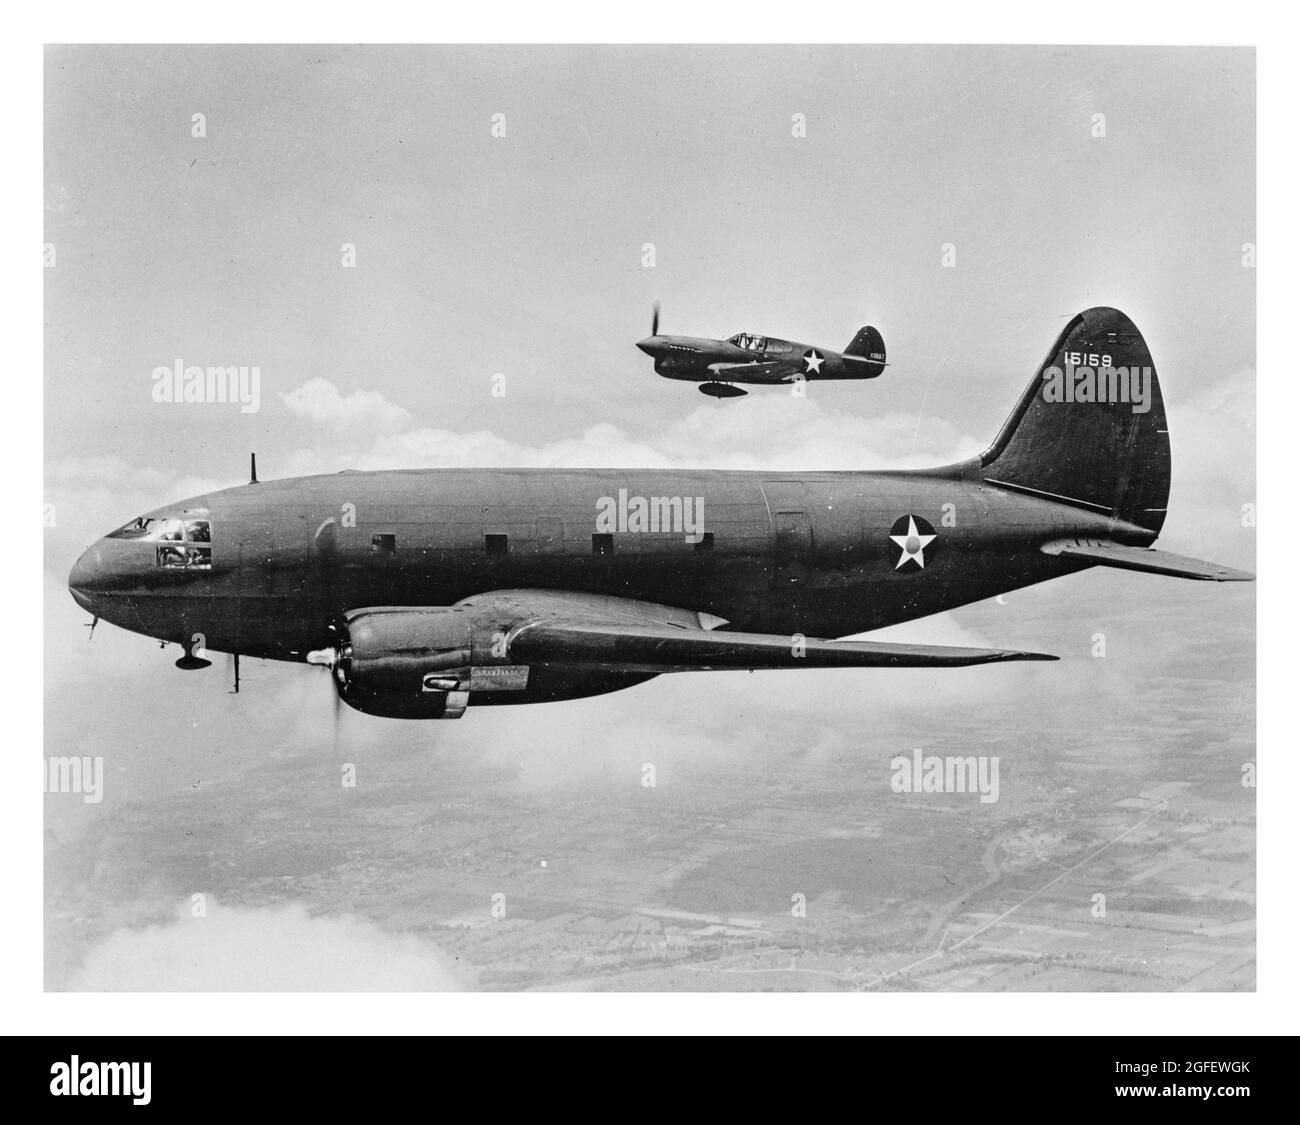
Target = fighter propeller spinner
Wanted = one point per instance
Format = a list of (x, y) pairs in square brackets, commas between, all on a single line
[(718, 365)]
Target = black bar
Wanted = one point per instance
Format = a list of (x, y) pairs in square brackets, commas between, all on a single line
[(337, 1073)]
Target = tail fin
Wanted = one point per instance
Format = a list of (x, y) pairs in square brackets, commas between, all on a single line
[(868, 344), (1090, 428)]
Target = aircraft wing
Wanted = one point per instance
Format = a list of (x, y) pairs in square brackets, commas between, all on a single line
[(771, 371), (632, 635), (1146, 559), (667, 648)]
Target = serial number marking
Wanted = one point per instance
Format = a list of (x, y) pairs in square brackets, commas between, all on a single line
[(1087, 359)]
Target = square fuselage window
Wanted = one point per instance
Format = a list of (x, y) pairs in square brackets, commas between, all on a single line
[(706, 542), (383, 544), (602, 544), (496, 544), (182, 556)]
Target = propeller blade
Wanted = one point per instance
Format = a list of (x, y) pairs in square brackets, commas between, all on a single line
[(322, 658), (654, 320), (338, 714)]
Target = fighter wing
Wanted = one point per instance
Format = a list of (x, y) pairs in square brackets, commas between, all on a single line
[(769, 371), (1148, 559)]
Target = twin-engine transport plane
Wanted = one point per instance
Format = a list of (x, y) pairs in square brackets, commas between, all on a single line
[(717, 365), (427, 591)]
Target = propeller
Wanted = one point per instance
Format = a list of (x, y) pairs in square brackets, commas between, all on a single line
[(654, 320), (326, 544), (326, 660), (336, 714)]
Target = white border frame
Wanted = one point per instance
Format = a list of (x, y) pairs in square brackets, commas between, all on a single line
[(26, 1009)]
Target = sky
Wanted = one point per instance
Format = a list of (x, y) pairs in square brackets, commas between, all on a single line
[(1053, 178)]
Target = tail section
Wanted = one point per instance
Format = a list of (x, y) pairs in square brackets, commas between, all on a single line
[(1090, 428), (868, 344)]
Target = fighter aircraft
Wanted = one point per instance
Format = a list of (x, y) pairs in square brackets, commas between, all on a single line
[(718, 365), (427, 591)]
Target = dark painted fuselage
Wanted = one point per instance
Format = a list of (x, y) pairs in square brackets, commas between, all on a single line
[(780, 553), (767, 362)]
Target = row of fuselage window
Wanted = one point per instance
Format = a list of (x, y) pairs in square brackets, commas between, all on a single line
[(195, 556), (497, 544)]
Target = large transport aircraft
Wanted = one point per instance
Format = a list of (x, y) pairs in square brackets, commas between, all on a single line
[(427, 591)]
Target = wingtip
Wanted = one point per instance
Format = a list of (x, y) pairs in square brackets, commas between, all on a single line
[(1222, 574), (1006, 656)]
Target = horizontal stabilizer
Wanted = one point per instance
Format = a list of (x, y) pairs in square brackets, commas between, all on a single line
[(665, 648), (1148, 559)]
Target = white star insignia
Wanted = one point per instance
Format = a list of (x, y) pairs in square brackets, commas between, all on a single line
[(913, 545), (813, 363)]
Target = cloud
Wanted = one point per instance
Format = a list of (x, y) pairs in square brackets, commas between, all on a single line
[(251, 949), (1212, 439), (770, 717), (320, 402), (774, 434)]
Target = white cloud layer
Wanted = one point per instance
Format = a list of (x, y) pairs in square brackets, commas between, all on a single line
[(320, 402), (242, 949)]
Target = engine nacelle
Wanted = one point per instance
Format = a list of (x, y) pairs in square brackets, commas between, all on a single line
[(421, 663), (395, 650), (412, 662)]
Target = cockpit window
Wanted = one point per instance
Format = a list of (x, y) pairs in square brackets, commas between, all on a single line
[(138, 528), (748, 341), (184, 544)]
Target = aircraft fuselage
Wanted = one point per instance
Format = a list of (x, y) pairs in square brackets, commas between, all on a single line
[(824, 554), (771, 362)]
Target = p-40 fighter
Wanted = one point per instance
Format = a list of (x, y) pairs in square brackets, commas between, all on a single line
[(718, 365), (426, 591)]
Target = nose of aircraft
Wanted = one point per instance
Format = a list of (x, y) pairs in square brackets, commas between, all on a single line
[(85, 578), (648, 345)]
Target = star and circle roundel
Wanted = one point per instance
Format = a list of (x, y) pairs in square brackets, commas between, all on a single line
[(913, 543)]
